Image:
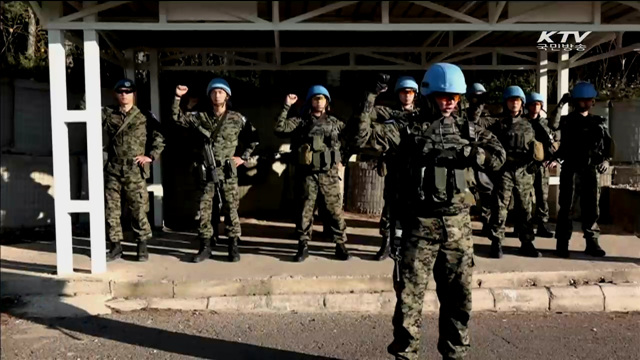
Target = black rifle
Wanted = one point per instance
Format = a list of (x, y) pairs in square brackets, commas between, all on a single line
[(210, 173)]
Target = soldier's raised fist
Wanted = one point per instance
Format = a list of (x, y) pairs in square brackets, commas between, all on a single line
[(291, 99), (181, 90)]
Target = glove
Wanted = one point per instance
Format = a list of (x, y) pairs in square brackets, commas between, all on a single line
[(603, 167), (565, 98), (381, 83)]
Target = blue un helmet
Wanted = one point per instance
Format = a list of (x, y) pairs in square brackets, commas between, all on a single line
[(445, 78), (513, 91), (219, 83), (125, 84), (406, 82), (476, 88), (584, 90), (318, 90), (535, 97)]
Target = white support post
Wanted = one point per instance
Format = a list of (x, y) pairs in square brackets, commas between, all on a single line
[(130, 64), (384, 11), (93, 119), (563, 77), (542, 83), (156, 188), (60, 145)]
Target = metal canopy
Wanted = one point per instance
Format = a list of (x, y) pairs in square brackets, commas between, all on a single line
[(296, 35)]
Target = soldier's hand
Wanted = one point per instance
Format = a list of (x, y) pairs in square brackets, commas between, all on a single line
[(602, 168), (565, 98), (381, 83), (291, 99), (181, 90), (141, 160), (238, 161)]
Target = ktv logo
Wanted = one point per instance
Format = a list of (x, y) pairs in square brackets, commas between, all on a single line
[(545, 42)]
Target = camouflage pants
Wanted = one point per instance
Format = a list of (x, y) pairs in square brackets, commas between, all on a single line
[(541, 188), (519, 183), (230, 204), (589, 202), (389, 222), (328, 185), (134, 186), (442, 245)]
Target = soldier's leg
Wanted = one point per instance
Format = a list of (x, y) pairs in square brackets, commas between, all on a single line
[(205, 230), (138, 201), (421, 242), (329, 187), (308, 197), (387, 225), (589, 205), (230, 204), (501, 200), (112, 189), (564, 226), (452, 273), (523, 193)]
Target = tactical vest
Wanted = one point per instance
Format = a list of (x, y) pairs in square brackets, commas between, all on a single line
[(320, 146), (438, 186), (515, 138)]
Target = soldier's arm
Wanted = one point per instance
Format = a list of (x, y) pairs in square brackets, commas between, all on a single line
[(380, 136), (187, 120), (156, 143), (543, 135), (249, 139), (495, 155), (285, 125), (555, 116)]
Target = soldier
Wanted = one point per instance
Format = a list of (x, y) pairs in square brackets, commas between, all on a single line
[(134, 141), (435, 153), (586, 148), (478, 115), (518, 137), (535, 103), (406, 89), (316, 140), (228, 133)]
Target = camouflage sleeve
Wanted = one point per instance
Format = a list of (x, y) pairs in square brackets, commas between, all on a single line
[(155, 143), (187, 120), (495, 153), (249, 139), (543, 135), (553, 120), (105, 116), (381, 136), (285, 125)]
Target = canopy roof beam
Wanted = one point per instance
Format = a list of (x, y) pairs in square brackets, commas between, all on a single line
[(320, 11), (616, 52), (445, 10), (91, 11)]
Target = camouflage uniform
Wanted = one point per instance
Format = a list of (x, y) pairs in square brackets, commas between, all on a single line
[(478, 115), (234, 131), (585, 143), (316, 181), (516, 176), (142, 136), (436, 235), (541, 175)]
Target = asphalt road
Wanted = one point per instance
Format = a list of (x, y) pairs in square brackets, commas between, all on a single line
[(179, 335)]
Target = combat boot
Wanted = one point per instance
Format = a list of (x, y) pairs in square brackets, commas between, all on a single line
[(543, 231), (383, 253), (496, 250), (204, 253), (342, 253), (143, 252), (303, 251), (562, 248), (115, 251), (234, 253), (594, 249), (528, 249)]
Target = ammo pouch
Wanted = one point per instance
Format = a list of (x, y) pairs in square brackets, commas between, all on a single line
[(324, 160), (305, 156), (440, 184), (206, 174), (382, 166), (230, 170), (483, 182)]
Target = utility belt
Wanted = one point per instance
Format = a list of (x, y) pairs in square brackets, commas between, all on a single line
[(145, 170), (208, 173), (317, 156)]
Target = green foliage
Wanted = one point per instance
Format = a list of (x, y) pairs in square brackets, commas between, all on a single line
[(16, 29)]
